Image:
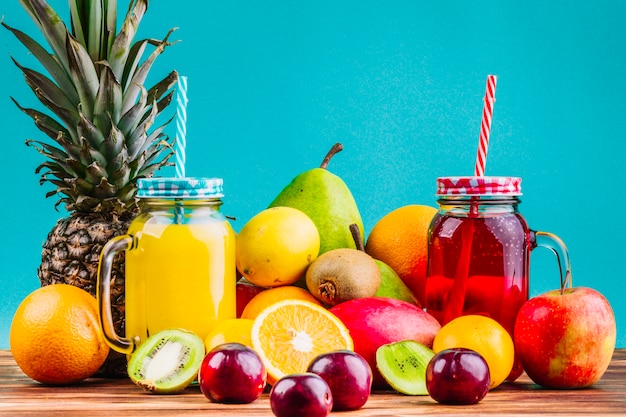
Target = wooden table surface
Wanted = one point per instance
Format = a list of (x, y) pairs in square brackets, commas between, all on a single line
[(109, 397)]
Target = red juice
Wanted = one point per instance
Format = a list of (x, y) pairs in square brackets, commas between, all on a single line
[(478, 265)]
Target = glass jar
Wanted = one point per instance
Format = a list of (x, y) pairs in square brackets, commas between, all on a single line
[(180, 262), (479, 249)]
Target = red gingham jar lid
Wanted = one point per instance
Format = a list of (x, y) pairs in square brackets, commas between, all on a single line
[(487, 186)]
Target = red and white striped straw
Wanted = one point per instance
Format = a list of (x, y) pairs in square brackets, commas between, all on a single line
[(485, 127)]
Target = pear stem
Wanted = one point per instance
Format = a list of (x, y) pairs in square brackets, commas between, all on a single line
[(356, 235), (337, 147)]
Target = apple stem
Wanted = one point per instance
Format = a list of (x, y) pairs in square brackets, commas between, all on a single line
[(356, 235), (337, 147)]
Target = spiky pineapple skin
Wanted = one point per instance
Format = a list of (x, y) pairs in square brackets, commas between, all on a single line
[(71, 252), (70, 255)]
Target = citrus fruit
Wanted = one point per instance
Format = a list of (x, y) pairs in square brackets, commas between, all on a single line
[(483, 335), (276, 246), (273, 295), (229, 331), (289, 334), (400, 239), (55, 335)]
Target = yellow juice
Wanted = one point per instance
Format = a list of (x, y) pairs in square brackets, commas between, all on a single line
[(179, 276)]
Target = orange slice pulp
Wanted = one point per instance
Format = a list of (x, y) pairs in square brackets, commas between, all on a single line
[(289, 334)]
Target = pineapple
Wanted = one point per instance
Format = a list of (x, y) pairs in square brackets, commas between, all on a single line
[(100, 128)]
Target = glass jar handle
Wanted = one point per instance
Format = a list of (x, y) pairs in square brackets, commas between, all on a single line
[(110, 249), (557, 246)]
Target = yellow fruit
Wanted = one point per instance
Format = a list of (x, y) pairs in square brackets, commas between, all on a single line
[(400, 239), (484, 335), (55, 335), (268, 297), (289, 334), (276, 246), (229, 331)]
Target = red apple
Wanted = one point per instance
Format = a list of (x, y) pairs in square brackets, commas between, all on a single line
[(245, 292), (565, 338)]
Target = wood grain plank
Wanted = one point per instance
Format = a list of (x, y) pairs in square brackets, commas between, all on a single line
[(105, 397)]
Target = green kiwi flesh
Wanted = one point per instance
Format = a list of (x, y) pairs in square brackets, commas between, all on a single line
[(167, 362), (403, 365)]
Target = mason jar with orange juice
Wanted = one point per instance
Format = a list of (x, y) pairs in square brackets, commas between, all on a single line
[(180, 262)]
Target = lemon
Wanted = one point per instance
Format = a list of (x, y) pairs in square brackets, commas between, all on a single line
[(276, 246), (229, 331)]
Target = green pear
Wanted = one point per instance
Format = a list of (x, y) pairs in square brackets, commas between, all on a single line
[(392, 286), (327, 200)]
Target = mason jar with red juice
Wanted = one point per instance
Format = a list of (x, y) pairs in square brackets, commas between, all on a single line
[(479, 251)]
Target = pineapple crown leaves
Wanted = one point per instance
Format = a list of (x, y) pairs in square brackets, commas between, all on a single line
[(103, 118)]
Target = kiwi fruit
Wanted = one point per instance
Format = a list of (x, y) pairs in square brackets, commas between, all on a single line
[(403, 365), (167, 362), (342, 274)]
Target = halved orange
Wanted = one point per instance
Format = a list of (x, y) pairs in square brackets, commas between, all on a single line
[(273, 295), (289, 334)]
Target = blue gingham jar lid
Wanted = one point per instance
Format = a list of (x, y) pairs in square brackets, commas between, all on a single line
[(180, 188)]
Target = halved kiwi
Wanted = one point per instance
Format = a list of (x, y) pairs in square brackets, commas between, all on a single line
[(403, 365), (167, 362)]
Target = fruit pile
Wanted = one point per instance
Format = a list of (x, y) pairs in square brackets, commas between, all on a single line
[(324, 318), (316, 303)]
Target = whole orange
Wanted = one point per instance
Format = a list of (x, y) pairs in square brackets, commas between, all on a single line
[(483, 335), (400, 239), (55, 335)]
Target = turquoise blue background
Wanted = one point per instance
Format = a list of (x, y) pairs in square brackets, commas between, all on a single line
[(273, 84)]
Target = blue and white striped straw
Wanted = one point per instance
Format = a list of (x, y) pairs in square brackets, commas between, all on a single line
[(181, 127)]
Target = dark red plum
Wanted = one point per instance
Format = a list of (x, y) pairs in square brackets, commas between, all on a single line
[(348, 375), (301, 395), (232, 373), (457, 376), (245, 292)]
